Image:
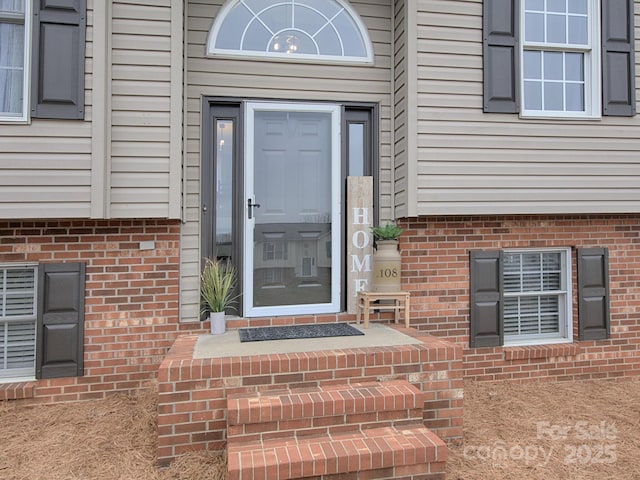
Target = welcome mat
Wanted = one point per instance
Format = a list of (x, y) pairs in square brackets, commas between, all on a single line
[(316, 330)]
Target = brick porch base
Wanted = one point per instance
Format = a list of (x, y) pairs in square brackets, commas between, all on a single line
[(193, 392)]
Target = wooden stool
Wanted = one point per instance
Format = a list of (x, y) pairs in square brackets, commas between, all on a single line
[(366, 303)]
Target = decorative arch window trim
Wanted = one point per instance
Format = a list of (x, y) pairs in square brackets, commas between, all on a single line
[(292, 34)]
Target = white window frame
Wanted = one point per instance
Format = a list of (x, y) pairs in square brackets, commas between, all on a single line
[(592, 67), (565, 334), (26, 84), (368, 59), (19, 374)]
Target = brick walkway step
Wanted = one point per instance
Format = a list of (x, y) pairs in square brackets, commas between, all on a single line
[(381, 452), (299, 409)]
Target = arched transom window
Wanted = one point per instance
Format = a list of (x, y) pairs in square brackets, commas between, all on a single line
[(300, 29)]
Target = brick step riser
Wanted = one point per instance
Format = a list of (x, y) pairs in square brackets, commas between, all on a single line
[(325, 425), (356, 403)]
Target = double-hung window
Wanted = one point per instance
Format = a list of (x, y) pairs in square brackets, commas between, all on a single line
[(523, 296), (17, 321), (560, 58), (537, 302), (14, 67)]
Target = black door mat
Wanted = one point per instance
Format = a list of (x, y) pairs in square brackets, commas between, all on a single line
[(316, 330)]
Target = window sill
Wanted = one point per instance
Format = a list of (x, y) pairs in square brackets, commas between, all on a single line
[(17, 390), (540, 351)]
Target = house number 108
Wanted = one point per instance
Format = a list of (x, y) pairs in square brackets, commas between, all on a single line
[(388, 272)]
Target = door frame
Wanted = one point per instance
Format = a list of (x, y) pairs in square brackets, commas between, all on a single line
[(223, 107), (334, 305)]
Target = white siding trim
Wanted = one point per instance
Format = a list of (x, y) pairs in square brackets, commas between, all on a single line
[(175, 147), (411, 69), (101, 111)]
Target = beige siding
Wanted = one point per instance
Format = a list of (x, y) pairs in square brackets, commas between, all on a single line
[(45, 166), (470, 162), (116, 165), (242, 78), (140, 166)]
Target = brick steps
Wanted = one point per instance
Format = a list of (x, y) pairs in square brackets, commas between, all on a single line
[(319, 432), (369, 450)]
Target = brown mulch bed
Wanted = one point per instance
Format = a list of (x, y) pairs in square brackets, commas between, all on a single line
[(552, 431), (584, 430)]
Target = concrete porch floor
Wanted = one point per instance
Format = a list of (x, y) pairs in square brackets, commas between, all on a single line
[(228, 344)]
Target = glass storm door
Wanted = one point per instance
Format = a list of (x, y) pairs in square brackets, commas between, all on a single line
[(292, 209)]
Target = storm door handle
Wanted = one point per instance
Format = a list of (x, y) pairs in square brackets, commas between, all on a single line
[(250, 207)]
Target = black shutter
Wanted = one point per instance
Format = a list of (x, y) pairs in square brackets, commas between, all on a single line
[(618, 63), (593, 293), (60, 330), (486, 299), (57, 81), (500, 56)]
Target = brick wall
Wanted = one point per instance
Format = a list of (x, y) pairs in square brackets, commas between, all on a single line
[(131, 311), (435, 256)]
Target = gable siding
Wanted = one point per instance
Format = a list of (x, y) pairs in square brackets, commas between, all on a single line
[(244, 78), (45, 166), (475, 163)]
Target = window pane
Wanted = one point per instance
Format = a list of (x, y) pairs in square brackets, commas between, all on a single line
[(230, 34), (556, 29), (286, 27), (575, 97), (574, 65), (578, 30), (534, 5), (351, 39), (557, 5), (553, 66), (533, 65), (11, 68), (12, 6), (277, 18), (578, 6), (533, 95), (356, 149), (256, 38), (224, 188), (328, 9), (553, 96), (534, 27)]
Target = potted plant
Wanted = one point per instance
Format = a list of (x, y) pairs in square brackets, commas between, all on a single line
[(217, 285), (386, 258)]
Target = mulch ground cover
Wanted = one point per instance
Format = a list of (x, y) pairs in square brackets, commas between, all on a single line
[(566, 431)]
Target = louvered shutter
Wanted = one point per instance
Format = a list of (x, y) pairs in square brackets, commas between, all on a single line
[(486, 299), (618, 63), (500, 56), (593, 293), (58, 56), (60, 327)]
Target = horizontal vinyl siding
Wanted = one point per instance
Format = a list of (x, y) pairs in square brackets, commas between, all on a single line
[(476, 163), (245, 78), (45, 166), (141, 105)]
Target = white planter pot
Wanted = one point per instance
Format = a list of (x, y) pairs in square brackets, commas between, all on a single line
[(217, 323)]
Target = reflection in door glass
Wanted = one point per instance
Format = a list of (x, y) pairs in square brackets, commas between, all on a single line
[(292, 184), (224, 187)]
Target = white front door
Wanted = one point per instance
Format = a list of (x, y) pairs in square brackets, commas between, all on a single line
[(292, 209)]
